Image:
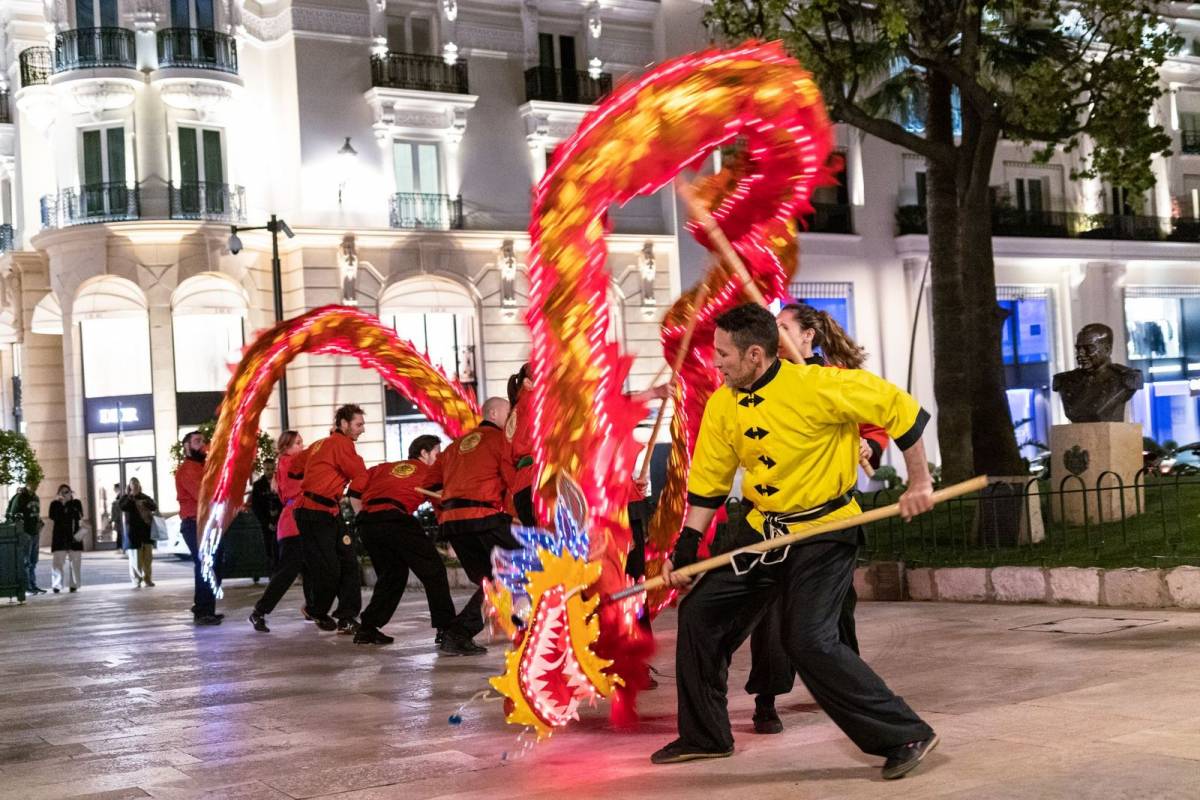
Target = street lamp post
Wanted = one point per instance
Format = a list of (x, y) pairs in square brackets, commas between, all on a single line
[(274, 226)]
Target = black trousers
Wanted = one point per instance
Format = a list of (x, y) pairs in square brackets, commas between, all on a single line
[(330, 563), (289, 565), (771, 670), (474, 551), (810, 584), (523, 505), (397, 546)]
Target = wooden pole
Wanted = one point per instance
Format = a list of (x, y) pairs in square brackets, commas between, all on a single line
[(790, 346), (975, 484), (680, 354)]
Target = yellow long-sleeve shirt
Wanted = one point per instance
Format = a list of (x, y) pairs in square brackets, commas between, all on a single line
[(795, 431)]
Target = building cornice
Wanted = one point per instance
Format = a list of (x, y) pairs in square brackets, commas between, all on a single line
[(1067, 251)]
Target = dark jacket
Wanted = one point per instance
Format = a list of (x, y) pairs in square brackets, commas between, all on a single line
[(66, 518), (137, 520), (24, 509), (265, 504)]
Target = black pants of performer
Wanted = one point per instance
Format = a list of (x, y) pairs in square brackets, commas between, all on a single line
[(523, 505), (810, 584), (330, 564), (204, 600), (771, 670), (474, 551), (289, 565), (397, 546)]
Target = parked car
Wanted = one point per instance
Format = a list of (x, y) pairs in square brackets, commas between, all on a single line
[(1183, 460)]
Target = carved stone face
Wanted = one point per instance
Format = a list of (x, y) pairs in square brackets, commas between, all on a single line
[(1093, 350)]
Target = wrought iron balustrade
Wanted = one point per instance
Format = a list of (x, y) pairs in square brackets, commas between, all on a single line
[(829, 218), (36, 66), (566, 86), (432, 211), (420, 72), (96, 202), (197, 48), (88, 48), (6, 238), (218, 202)]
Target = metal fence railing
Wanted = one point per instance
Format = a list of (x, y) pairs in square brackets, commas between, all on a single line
[(88, 48), (36, 66), (197, 48), (420, 72), (1150, 521)]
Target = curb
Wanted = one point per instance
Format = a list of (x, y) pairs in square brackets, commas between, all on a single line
[(1129, 587)]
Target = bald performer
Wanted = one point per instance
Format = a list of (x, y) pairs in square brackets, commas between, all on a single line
[(476, 477)]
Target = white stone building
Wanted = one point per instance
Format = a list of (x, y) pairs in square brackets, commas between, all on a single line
[(134, 132), (137, 131)]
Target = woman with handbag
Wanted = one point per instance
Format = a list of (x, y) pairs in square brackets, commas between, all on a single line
[(66, 543), (139, 511)]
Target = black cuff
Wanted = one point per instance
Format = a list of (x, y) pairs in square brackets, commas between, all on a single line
[(701, 501), (687, 548), (913, 434), (876, 453), (354, 495)]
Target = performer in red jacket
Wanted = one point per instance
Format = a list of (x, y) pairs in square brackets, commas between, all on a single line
[(333, 466), (475, 472), (187, 490), (771, 672)]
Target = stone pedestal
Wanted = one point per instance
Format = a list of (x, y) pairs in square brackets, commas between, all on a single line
[(1089, 450)]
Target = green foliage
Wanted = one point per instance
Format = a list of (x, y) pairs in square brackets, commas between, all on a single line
[(18, 462), (264, 453), (888, 476), (1040, 71)]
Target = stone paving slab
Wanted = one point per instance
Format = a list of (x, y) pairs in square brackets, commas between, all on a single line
[(111, 693)]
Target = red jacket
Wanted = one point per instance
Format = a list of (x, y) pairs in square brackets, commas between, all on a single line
[(475, 473), (392, 487), (519, 433), (187, 486), (289, 473), (332, 463)]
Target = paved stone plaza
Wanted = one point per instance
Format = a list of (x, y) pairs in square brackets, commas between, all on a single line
[(111, 693)]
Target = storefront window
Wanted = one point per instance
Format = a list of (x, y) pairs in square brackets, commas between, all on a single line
[(116, 356), (205, 345), (1026, 346), (834, 298), (1162, 327)]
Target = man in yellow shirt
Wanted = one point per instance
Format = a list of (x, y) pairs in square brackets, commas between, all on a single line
[(794, 430)]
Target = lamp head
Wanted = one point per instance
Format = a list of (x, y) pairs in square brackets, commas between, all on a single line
[(286, 229), (347, 152), (235, 243)]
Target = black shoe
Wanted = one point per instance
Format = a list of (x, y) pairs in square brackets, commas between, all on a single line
[(457, 644), (36, 590), (347, 627), (207, 619), (651, 684), (440, 635), (76, 588), (259, 622), (148, 584), (677, 752), (307, 616), (905, 759), (367, 635), (325, 623), (766, 718), (55, 591), (218, 616)]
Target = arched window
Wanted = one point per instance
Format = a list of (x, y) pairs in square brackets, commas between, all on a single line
[(114, 330), (439, 317), (207, 314)]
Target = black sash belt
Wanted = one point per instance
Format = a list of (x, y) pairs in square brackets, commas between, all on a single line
[(328, 502), (386, 501), (458, 502), (776, 523)]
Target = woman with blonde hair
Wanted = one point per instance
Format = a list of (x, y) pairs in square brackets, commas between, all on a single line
[(139, 509)]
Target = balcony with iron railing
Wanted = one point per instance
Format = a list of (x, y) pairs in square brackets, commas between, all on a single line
[(97, 202), (92, 48), (37, 64), (6, 238), (418, 72), (566, 86), (214, 202), (197, 48), (412, 210), (1006, 222)]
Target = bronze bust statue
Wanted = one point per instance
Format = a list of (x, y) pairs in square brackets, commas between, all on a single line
[(1098, 389)]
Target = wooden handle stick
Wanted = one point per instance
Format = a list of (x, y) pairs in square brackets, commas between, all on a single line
[(975, 484), (791, 347), (680, 354), (427, 493)]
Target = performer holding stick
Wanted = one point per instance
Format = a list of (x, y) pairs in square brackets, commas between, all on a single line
[(771, 672), (794, 429)]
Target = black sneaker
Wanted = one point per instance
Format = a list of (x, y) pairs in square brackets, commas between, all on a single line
[(905, 759), (325, 623), (677, 752), (76, 588), (347, 627), (259, 622), (307, 616), (766, 718), (367, 635), (456, 644), (440, 635), (207, 619)]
